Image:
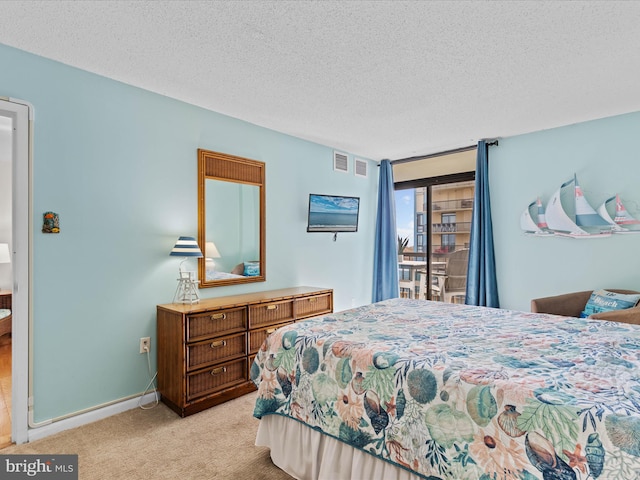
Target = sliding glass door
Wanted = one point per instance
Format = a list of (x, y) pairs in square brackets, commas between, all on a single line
[(434, 221)]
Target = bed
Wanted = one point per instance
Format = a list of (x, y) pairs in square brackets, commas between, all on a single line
[(409, 389), (215, 275)]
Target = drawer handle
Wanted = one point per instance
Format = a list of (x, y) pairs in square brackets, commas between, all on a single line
[(272, 307), (271, 330), (219, 316), (219, 343), (218, 371), (313, 300)]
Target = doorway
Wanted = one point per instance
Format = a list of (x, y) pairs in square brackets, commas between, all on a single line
[(437, 212), (15, 122), (6, 277)]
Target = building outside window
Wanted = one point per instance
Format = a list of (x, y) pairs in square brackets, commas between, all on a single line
[(404, 273), (448, 243)]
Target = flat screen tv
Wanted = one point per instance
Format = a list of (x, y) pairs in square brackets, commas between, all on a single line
[(333, 213)]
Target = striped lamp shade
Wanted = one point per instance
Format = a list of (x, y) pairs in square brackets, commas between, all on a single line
[(186, 247)]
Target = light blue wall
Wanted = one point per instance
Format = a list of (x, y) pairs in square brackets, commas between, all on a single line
[(119, 165), (604, 155)]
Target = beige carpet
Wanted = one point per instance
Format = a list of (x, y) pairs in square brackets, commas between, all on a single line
[(157, 444)]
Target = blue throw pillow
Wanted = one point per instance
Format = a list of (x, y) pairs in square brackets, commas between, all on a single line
[(605, 301), (251, 269)]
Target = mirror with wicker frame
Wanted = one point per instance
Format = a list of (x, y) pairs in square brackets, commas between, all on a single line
[(231, 219)]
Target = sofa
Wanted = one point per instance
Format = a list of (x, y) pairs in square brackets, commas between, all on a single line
[(572, 304)]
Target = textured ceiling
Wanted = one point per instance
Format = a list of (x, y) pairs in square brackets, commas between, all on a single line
[(381, 79)]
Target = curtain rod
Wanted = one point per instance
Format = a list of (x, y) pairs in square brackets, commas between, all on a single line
[(490, 142)]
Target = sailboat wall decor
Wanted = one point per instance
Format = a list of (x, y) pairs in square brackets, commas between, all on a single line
[(583, 221), (622, 222), (531, 226)]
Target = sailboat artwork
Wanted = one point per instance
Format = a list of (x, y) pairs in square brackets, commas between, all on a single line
[(538, 226), (577, 219), (622, 222)]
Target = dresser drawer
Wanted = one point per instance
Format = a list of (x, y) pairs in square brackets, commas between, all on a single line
[(216, 350), (216, 378), (257, 337), (215, 323), (270, 313), (313, 305)]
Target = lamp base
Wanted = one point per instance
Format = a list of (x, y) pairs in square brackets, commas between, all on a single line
[(187, 290)]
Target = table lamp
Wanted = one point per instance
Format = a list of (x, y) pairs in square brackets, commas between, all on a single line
[(210, 252), (187, 291)]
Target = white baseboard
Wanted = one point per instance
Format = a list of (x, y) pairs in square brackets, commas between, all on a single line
[(88, 417)]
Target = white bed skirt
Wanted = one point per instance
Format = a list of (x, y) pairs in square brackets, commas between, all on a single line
[(307, 454)]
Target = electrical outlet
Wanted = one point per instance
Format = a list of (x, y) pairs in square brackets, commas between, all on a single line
[(145, 344)]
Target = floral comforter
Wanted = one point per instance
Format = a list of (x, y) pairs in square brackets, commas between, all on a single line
[(462, 392)]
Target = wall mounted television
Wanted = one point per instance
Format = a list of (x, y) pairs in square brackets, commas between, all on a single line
[(333, 213)]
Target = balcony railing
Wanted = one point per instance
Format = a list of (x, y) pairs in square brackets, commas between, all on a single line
[(451, 227), (459, 204), (440, 249), (421, 255), (444, 249), (415, 256)]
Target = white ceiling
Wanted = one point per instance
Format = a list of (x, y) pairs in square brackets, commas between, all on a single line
[(380, 79)]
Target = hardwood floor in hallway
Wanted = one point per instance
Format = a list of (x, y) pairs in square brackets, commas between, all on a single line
[(5, 391)]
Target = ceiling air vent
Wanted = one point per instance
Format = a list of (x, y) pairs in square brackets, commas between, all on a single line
[(340, 162), (360, 168)]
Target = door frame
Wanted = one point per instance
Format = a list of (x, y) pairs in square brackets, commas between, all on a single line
[(21, 113)]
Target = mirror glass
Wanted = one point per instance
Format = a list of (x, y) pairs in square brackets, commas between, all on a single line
[(231, 220)]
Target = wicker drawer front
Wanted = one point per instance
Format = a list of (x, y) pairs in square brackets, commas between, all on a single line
[(256, 337), (270, 313), (216, 350), (216, 378), (216, 323), (311, 306), (5, 300)]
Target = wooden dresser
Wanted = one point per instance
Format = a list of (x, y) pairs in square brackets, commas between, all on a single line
[(205, 350), (5, 304)]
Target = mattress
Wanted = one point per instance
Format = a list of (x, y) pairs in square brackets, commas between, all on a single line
[(447, 391)]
